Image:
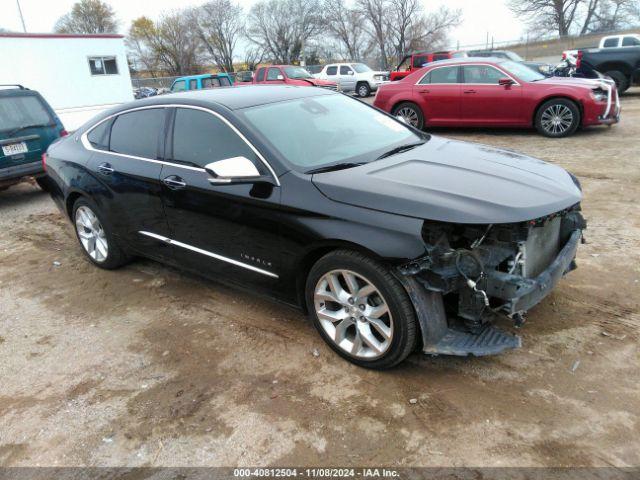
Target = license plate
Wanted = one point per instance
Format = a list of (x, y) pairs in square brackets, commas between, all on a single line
[(15, 149)]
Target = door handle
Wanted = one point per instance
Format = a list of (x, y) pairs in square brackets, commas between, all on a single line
[(423, 91), (469, 91), (174, 182), (105, 168)]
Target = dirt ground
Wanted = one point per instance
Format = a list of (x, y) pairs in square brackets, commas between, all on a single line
[(146, 366)]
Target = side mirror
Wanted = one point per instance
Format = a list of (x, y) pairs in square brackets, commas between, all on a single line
[(233, 171), (279, 77), (505, 82), (350, 72)]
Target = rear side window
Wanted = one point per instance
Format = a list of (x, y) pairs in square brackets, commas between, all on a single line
[(22, 111), (332, 70), (99, 136), (260, 75), (200, 138), (273, 74), (224, 81), (611, 42), (630, 42), (137, 133), (482, 74), (441, 75), (179, 86), (193, 84)]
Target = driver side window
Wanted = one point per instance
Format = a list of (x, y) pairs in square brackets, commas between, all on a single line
[(200, 138)]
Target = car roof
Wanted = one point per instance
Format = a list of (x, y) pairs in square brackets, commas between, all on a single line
[(235, 98), (466, 60)]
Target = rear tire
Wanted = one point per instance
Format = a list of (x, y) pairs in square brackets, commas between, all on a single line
[(95, 236), (622, 83), (361, 310), (410, 113), (557, 118)]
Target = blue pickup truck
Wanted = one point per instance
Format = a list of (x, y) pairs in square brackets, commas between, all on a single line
[(28, 125), (198, 82)]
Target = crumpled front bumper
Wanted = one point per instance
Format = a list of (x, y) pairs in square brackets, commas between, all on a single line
[(520, 293)]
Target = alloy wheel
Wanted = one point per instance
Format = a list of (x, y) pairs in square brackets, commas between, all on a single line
[(363, 91), (353, 314), (91, 234), (557, 119), (409, 115)]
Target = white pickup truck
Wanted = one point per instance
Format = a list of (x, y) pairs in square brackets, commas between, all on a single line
[(353, 77), (618, 41)]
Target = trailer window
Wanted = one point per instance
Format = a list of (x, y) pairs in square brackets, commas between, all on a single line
[(103, 65)]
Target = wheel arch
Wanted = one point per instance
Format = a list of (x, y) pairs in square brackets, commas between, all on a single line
[(315, 253), (618, 66), (70, 201), (544, 100)]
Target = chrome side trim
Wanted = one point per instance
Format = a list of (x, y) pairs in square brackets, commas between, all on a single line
[(88, 146), (208, 254)]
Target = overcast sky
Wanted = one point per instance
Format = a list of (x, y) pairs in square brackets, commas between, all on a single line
[(479, 16)]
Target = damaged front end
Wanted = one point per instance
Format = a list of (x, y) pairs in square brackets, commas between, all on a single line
[(472, 273)]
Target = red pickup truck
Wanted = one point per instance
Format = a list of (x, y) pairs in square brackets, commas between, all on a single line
[(290, 75), (417, 60)]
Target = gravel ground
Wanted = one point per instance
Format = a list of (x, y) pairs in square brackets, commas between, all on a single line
[(147, 366)]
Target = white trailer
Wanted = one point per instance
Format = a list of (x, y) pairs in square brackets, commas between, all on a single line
[(79, 75)]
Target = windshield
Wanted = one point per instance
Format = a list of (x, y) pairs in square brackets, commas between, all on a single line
[(361, 67), (22, 111), (521, 71), (297, 72), (327, 129)]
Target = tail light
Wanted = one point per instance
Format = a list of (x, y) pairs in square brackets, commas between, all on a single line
[(63, 133), (44, 162), (579, 59)]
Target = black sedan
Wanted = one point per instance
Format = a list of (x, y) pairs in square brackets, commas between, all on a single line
[(391, 239)]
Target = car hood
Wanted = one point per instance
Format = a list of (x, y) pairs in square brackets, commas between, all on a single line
[(315, 81), (452, 181), (588, 83)]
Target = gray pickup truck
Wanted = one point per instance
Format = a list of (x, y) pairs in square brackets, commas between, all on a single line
[(621, 64)]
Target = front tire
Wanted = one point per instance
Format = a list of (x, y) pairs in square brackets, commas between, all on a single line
[(96, 236), (410, 113), (557, 118), (363, 90), (361, 310)]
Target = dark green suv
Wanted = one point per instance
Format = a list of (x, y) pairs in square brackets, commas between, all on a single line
[(28, 125)]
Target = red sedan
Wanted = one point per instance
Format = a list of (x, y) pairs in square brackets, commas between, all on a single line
[(498, 93)]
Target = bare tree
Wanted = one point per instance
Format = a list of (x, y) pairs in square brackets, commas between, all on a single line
[(86, 17), (253, 56), (376, 12), (559, 15), (411, 29), (282, 27), (219, 23), (170, 45), (615, 14), (347, 26)]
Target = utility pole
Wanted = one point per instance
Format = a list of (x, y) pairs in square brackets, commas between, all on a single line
[(21, 17)]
